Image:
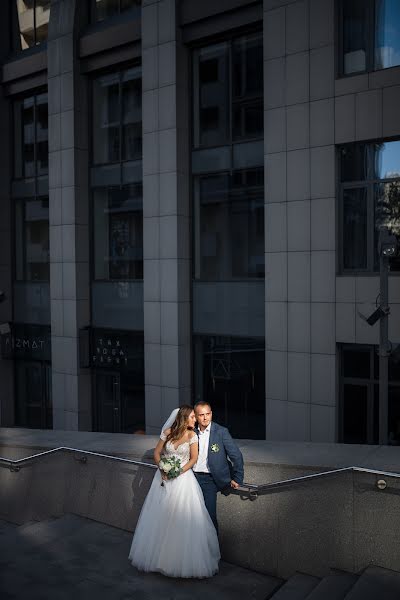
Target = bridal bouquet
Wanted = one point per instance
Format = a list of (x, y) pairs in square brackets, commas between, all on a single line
[(171, 467)]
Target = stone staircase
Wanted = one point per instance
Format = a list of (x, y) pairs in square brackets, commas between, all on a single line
[(73, 557)]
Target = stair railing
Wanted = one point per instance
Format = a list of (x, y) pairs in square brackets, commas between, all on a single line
[(247, 490)]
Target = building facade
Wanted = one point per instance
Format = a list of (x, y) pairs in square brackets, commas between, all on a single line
[(190, 204)]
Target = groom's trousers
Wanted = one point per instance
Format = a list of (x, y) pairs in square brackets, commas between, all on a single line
[(210, 490)]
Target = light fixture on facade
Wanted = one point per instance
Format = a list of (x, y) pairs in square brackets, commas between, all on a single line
[(388, 245)]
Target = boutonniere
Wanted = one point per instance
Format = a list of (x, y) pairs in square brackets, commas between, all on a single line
[(215, 448)]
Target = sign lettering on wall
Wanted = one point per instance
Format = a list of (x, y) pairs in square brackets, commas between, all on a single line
[(29, 342)]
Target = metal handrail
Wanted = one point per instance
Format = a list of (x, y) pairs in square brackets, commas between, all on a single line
[(251, 489)]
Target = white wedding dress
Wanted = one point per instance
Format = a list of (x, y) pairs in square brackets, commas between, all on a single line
[(174, 534)]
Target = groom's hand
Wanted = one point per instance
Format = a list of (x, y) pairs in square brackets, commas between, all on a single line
[(234, 485)]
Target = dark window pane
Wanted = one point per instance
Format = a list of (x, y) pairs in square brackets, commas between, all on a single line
[(106, 119), (132, 114), (394, 415), (387, 214), (42, 20), (355, 413), (248, 66), (354, 36), (230, 374), (28, 137), (32, 240), (25, 10), (106, 9), (213, 106), (229, 239), (128, 4), (355, 228), (387, 33), (118, 233), (42, 134), (386, 160), (248, 120), (354, 159), (394, 364), (356, 363)]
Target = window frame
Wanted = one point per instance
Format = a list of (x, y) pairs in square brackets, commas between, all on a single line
[(370, 45), (16, 31), (116, 15)]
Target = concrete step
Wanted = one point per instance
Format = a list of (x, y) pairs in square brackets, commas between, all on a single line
[(376, 583), (333, 587), (298, 587), (73, 556)]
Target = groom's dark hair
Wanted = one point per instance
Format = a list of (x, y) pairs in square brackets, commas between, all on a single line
[(201, 403)]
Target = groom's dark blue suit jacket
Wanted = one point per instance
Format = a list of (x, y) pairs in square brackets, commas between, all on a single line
[(225, 461)]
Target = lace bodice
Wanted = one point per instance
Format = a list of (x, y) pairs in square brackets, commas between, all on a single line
[(182, 451)]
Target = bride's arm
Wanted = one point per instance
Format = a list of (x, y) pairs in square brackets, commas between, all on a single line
[(160, 445), (194, 453)]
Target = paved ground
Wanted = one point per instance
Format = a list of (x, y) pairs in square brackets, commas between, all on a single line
[(76, 558)]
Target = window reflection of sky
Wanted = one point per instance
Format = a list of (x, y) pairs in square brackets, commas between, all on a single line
[(387, 160), (387, 33)]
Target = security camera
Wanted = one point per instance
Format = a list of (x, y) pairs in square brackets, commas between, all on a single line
[(2, 296), (375, 316)]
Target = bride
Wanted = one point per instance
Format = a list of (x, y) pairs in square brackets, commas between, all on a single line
[(174, 534)]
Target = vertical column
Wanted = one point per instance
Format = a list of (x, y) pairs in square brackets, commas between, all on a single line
[(300, 225), (69, 232), (165, 213), (276, 242), (6, 366)]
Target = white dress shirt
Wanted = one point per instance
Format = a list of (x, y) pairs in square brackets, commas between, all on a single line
[(204, 439)]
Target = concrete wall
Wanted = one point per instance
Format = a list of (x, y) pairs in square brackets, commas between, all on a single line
[(314, 527)]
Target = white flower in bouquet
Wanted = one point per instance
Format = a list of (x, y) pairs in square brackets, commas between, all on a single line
[(170, 466)]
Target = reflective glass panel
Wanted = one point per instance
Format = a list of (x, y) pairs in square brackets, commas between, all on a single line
[(106, 9), (355, 27), (132, 114), (106, 119), (212, 103), (355, 414), (118, 233), (26, 21), (394, 415), (229, 372), (229, 230), (247, 57), (387, 33), (42, 135), (42, 16), (354, 159), (356, 363), (387, 214), (355, 228), (32, 240), (387, 160), (28, 136)]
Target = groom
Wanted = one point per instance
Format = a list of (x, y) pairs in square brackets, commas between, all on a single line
[(220, 462)]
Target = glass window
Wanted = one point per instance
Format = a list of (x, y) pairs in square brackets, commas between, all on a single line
[(355, 36), (370, 35), (229, 232), (360, 395), (32, 240), (230, 374), (118, 233), (33, 21), (387, 33), (228, 91), (366, 209), (31, 136), (104, 9), (117, 117)]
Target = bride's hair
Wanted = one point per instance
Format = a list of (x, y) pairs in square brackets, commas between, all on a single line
[(179, 426)]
